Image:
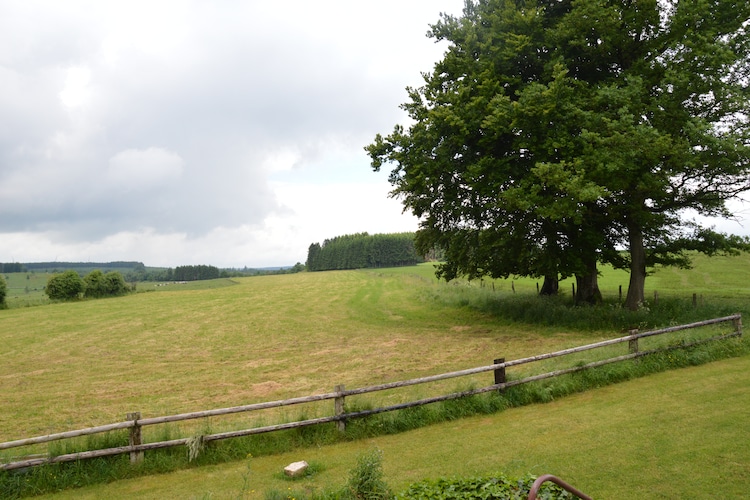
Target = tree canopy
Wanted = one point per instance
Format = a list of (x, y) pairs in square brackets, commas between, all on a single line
[(555, 133), (69, 285), (98, 284), (65, 286)]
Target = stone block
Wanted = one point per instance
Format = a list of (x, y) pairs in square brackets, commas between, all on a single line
[(296, 469)]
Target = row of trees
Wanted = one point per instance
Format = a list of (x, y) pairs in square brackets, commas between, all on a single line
[(554, 134), (184, 273), (69, 285), (193, 273), (12, 267), (361, 250)]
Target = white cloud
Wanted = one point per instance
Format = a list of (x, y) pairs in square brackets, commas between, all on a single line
[(75, 92)]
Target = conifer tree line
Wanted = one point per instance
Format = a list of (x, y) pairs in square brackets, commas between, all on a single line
[(361, 250), (12, 267), (193, 273)]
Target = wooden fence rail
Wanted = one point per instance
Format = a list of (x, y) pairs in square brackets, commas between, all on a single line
[(135, 422)]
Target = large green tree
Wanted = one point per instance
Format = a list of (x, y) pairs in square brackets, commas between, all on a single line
[(553, 133)]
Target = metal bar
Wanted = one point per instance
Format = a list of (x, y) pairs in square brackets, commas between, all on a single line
[(534, 491)]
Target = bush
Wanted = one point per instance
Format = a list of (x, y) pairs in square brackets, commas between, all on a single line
[(100, 285), (495, 487), (3, 292), (65, 286)]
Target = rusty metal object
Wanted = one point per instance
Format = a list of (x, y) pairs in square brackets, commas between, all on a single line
[(562, 484)]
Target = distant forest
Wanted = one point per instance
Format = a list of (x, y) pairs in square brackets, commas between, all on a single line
[(358, 251), (53, 267), (136, 271)]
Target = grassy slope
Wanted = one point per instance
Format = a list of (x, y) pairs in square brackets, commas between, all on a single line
[(679, 434), (71, 365)]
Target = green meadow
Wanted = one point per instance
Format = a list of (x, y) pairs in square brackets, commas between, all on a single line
[(26, 289), (183, 348)]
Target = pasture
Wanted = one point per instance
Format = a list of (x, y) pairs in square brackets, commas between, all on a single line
[(26, 289), (673, 435), (225, 343)]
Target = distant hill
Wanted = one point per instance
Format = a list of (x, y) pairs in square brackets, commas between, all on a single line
[(20, 267)]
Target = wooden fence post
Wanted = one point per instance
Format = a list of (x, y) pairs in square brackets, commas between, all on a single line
[(737, 322), (135, 437), (339, 407), (633, 343), (500, 372), (656, 297)]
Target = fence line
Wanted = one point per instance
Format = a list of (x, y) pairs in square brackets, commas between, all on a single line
[(135, 423)]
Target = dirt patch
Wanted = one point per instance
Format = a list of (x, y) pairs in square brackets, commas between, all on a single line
[(265, 388), (393, 342)]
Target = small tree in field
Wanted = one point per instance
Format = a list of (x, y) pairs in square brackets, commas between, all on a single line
[(95, 286), (3, 292), (114, 284), (100, 285), (65, 286)]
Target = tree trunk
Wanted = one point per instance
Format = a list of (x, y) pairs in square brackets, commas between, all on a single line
[(550, 286), (587, 286), (636, 287)]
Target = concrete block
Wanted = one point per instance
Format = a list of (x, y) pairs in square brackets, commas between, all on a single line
[(296, 469)]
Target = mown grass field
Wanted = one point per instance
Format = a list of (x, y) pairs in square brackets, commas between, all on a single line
[(226, 343), (72, 365), (674, 435)]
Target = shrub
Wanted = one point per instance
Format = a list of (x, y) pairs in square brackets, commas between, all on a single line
[(495, 487), (3, 292), (100, 285), (65, 286)]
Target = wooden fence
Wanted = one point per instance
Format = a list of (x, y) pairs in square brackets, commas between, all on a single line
[(135, 423)]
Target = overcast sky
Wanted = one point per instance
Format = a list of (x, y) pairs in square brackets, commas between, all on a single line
[(228, 133)]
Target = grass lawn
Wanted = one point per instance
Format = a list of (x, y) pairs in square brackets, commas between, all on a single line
[(73, 365), (226, 343), (679, 434)]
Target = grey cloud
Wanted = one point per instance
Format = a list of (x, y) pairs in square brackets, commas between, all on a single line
[(177, 138)]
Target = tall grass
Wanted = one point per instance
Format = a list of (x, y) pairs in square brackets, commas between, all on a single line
[(561, 312)]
